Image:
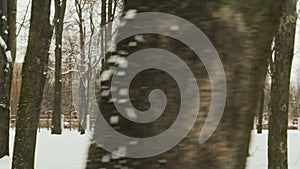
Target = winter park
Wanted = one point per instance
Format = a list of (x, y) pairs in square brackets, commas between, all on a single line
[(131, 84)]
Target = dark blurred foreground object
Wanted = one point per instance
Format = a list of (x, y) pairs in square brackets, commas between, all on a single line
[(242, 33)]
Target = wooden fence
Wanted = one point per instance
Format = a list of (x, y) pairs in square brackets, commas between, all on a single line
[(69, 121)]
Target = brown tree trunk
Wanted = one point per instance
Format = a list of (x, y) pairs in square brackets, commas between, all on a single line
[(82, 108), (33, 80), (261, 112), (110, 18), (278, 118), (243, 43), (12, 23), (103, 31), (60, 8), (6, 68), (5, 83)]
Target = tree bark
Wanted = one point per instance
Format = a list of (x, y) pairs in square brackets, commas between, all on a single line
[(5, 83), (60, 8), (82, 108), (110, 18), (261, 112), (243, 43), (6, 68), (278, 118), (33, 80), (12, 24), (103, 31)]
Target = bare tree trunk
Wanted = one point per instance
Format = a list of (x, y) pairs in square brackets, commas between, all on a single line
[(103, 31), (4, 21), (110, 10), (110, 18), (5, 83), (33, 80), (82, 106), (261, 112), (243, 44), (60, 8), (12, 21), (278, 119), (6, 68), (15, 92)]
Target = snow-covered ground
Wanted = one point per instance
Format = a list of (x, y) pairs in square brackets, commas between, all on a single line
[(258, 150), (68, 151)]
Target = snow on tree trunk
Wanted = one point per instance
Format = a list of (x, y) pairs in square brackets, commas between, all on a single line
[(5, 83), (5, 79)]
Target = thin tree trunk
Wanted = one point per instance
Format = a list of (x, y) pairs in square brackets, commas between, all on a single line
[(33, 80), (278, 119), (103, 12), (4, 21), (110, 10), (60, 7), (103, 31), (82, 106), (114, 9), (110, 18), (12, 23), (261, 112), (14, 98)]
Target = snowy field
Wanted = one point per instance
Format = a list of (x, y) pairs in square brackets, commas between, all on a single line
[(69, 151), (258, 150)]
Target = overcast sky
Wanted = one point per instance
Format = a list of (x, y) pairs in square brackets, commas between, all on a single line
[(295, 74)]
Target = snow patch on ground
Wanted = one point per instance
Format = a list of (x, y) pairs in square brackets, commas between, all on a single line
[(258, 150), (68, 151)]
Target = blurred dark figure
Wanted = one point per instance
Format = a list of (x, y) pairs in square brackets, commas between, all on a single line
[(242, 32)]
